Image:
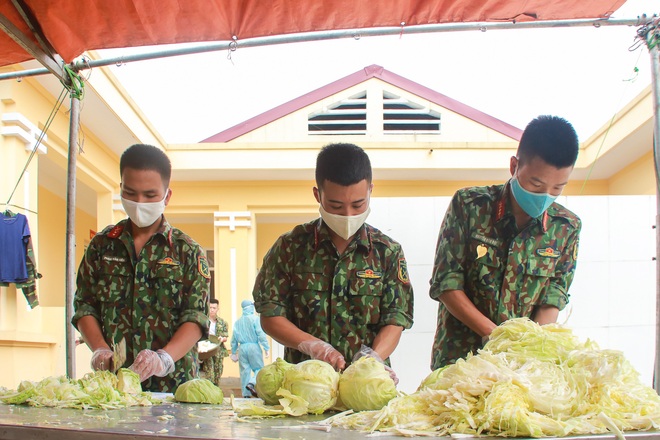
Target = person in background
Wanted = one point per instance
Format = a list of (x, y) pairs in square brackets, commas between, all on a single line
[(144, 282), (507, 251), (336, 288), (247, 341), (212, 367)]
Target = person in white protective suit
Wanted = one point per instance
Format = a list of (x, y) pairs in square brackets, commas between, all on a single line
[(247, 341)]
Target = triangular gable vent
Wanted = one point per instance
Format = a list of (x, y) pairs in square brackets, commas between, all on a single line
[(401, 116), (349, 117)]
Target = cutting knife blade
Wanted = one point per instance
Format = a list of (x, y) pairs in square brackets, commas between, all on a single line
[(119, 355)]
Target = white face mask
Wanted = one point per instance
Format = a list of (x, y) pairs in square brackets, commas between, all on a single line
[(344, 225), (144, 214)]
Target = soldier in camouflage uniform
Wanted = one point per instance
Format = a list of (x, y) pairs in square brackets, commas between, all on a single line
[(332, 285), (212, 367), (145, 282), (507, 251)]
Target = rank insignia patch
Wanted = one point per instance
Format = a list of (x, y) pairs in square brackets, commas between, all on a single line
[(548, 252), (403, 271), (203, 267), (369, 273), (168, 261)]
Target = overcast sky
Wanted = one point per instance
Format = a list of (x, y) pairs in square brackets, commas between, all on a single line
[(582, 73)]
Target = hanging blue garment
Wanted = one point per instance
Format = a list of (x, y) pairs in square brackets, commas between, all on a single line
[(14, 237)]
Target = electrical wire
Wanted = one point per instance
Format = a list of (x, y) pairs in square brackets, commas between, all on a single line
[(50, 119), (609, 127)]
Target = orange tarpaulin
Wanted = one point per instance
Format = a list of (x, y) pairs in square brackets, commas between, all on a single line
[(73, 26)]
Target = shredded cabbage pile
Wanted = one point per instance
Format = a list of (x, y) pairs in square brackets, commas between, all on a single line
[(97, 390), (528, 381)]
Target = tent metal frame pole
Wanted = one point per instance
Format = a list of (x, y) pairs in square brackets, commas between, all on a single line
[(82, 64), (654, 52), (70, 282)]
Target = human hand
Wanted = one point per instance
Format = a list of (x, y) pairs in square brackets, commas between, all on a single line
[(234, 357), (370, 352), (152, 363), (266, 353), (321, 350), (102, 359)]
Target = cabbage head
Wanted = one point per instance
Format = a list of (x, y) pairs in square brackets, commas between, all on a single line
[(269, 380), (314, 381), (432, 381), (366, 385), (128, 381), (198, 390)]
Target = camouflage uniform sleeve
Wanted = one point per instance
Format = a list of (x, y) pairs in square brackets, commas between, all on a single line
[(557, 292), (223, 329), (85, 301), (194, 308), (273, 282), (449, 265), (398, 307)]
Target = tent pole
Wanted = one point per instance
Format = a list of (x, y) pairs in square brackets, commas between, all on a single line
[(70, 285), (177, 50), (651, 35)]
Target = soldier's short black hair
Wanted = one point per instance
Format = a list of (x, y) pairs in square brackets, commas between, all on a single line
[(146, 157), (343, 164), (214, 301), (552, 139)]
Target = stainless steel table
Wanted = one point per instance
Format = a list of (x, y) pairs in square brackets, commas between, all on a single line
[(179, 421)]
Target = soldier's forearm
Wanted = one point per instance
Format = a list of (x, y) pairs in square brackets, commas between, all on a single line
[(387, 340), (183, 340), (90, 329), (465, 311)]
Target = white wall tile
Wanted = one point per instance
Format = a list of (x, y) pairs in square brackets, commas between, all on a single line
[(589, 296)]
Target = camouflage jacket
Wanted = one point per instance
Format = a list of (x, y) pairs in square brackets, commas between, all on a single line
[(221, 330), (342, 299), (504, 271), (145, 298)]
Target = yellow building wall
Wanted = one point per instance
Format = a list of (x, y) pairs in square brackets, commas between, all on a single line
[(637, 178)]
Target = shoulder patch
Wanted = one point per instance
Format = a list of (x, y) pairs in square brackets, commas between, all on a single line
[(403, 271), (203, 267)]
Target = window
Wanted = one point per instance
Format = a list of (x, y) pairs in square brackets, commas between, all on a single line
[(401, 116), (348, 116)]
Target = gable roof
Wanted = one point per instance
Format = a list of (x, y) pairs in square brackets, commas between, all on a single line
[(373, 71)]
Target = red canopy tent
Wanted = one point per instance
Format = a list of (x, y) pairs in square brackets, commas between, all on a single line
[(70, 27), (55, 32)]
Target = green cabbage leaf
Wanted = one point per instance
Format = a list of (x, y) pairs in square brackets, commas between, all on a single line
[(97, 390), (527, 381), (366, 385), (199, 390), (269, 380)]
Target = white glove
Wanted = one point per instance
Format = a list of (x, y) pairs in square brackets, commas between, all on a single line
[(321, 350), (234, 357), (266, 353), (102, 359), (152, 363), (370, 352)]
